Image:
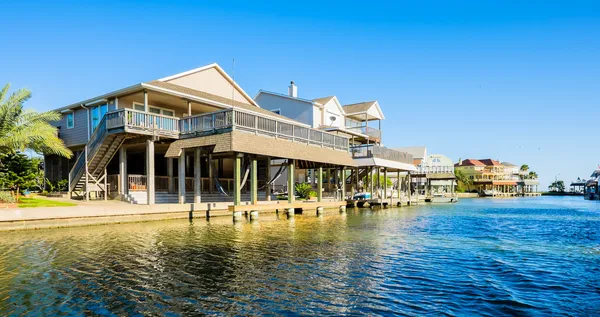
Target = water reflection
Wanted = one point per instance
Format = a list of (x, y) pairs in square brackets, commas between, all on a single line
[(479, 257)]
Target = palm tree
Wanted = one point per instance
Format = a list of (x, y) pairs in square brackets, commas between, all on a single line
[(524, 168), (533, 175), (26, 129)]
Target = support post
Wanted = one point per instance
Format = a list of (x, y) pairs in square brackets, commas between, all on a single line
[(371, 181), (320, 184), (210, 174), (237, 167), (150, 171), (189, 104), (123, 184), (181, 176), (105, 185), (197, 175), (343, 184), (170, 175), (269, 186), (291, 191), (385, 178), (254, 181), (146, 109)]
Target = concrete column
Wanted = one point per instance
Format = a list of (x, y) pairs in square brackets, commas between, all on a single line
[(254, 181), (269, 186), (181, 176), (320, 184), (237, 167), (170, 175), (291, 191), (123, 185), (150, 171), (210, 174), (197, 175)]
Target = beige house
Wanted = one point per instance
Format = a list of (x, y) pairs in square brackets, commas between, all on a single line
[(193, 137)]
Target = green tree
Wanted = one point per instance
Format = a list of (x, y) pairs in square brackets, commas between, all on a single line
[(390, 183), (464, 182), (524, 168), (557, 186), (533, 175), (18, 172), (26, 129)]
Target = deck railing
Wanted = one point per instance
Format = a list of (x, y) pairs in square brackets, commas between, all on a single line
[(366, 130), (161, 183), (434, 170), (372, 150), (143, 122), (250, 122)]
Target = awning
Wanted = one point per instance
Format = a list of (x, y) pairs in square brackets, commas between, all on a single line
[(393, 165)]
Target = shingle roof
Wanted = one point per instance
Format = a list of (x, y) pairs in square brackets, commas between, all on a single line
[(358, 107), (323, 100), (490, 162), (227, 101)]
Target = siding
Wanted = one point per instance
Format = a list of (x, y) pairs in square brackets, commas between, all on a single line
[(78, 135), (298, 110)]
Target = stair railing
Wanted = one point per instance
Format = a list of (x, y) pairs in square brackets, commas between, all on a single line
[(90, 149)]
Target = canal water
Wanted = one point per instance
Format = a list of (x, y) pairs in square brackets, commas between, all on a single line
[(527, 256)]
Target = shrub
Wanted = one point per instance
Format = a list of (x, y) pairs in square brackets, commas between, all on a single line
[(7, 197), (303, 190)]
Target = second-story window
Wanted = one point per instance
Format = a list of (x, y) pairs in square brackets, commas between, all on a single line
[(70, 120)]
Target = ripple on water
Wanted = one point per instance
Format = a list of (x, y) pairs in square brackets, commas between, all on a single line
[(478, 257)]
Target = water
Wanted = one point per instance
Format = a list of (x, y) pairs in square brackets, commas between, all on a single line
[(529, 256)]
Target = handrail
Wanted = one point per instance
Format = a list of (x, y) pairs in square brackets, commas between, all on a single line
[(372, 150)]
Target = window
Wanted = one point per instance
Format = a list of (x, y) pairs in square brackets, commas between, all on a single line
[(155, 110), (168, 113), (70, 120), (138, 107)]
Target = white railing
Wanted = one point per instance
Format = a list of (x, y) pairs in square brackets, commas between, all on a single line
[(372, 150), (434, 170), (144, 122)]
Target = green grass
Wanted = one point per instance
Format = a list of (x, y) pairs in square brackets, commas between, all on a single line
[(41, 202)]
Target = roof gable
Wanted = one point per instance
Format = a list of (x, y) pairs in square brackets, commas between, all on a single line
[(211, 79), (370, 107)]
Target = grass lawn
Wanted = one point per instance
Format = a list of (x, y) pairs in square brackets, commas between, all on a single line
[(42, 202)]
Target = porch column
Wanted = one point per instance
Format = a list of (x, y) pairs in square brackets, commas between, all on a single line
[(254, 181), (269, 186), (123, 183), (146, 101), (189, 104), (181, 176), (150, 171), (320, 184), (197, 175), (237, 166), (291, 191), (210, 173), (170, 175)]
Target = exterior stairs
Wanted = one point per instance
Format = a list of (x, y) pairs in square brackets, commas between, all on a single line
[(89, 171)]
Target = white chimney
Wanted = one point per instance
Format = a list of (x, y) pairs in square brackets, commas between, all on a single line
[(293, 90)]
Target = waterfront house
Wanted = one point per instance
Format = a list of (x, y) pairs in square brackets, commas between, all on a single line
[(193, 137), (360, 123), (492, 178), (592, 190)]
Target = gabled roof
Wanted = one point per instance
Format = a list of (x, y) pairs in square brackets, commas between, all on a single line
[(323, 100), (363, 107), (260, 92)]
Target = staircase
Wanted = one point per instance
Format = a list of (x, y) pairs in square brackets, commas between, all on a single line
[(89, 171), (351, 179)]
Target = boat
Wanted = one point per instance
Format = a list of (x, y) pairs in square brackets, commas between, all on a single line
[(361, 196)]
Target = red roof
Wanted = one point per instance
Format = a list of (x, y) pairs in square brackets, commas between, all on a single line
[(471, 162), (490, 162)]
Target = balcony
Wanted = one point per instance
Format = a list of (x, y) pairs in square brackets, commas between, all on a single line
[(376, 151), (138, 122), (434, 170), (366, 130)]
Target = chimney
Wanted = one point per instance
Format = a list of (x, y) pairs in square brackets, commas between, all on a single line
[(293, 90)]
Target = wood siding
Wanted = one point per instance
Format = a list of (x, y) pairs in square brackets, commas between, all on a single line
[(78, 135)]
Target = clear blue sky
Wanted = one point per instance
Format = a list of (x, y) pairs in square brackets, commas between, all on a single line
[(502, 79)]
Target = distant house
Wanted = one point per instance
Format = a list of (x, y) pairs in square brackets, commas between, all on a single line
[(492, 178)]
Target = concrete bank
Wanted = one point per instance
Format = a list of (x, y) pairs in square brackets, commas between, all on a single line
[(111, 212), (467, 195)]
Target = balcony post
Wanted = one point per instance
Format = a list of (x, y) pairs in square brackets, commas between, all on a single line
[(189, 104), (181, 176), (291, 172), (146, 101), (237, 166), (320, 184), (123, 183), (150, 171), (171, 183), (197, 175), (254, 181)]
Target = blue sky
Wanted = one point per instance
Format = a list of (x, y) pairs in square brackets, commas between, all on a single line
[(514, 81)]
